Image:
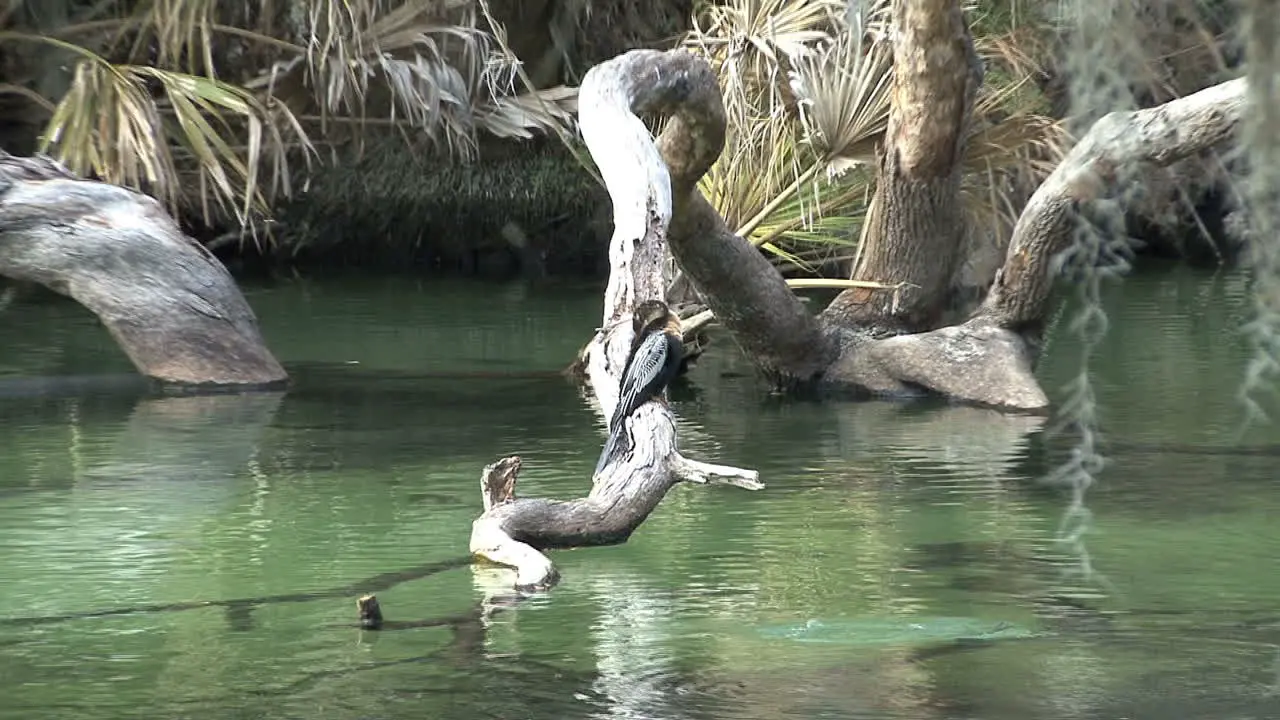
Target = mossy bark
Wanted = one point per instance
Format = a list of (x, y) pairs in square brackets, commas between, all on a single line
[(524, 208)]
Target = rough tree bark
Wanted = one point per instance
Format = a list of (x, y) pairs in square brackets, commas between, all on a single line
[(917, 226), (514, 532), (989, 359), (173, 308)]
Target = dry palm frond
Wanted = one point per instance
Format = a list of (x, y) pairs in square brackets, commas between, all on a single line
[(753, 44), (110, 124), (565, 131), (426, 64), (183, 30), (779, 187), (1012, 145), (437, 65), (519, 116), (844, 97)]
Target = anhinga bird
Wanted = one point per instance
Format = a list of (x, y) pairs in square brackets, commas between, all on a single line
[(656, 353)]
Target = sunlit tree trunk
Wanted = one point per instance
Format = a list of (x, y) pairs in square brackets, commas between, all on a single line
[(916, 223)]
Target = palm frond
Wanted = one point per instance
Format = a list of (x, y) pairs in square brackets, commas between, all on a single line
[(796, 178), (800, 91), (753, 44), (427, 64), (139, 126), (441, 72), (183, 32), (520, 116), (844, 92)]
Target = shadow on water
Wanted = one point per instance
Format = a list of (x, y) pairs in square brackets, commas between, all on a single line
[(184, 438), (130, 385), (239, 608)]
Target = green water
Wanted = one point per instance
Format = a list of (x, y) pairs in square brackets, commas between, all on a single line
[(901, 563)]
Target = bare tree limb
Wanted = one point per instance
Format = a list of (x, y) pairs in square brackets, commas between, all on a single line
[(749, 297), (1158, 136)]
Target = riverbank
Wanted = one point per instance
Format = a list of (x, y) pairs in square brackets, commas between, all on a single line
[(521, 209)]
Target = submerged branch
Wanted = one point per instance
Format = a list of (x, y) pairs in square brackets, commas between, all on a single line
[(241, 606)]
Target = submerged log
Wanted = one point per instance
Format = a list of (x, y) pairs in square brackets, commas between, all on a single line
[(173, 308), (987, 360), (513, 531)]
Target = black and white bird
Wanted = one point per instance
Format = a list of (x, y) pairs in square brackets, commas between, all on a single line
[(656, 353)]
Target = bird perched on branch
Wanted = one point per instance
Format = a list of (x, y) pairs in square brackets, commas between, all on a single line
[(656, 353)]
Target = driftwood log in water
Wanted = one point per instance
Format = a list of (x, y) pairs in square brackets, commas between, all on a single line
[(988, 359), (513, 532), (173, 308)]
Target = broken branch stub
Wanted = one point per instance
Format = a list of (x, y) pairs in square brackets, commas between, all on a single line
[(172, 307), (513, 531)]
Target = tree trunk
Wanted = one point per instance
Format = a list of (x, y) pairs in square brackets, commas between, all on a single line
[(172, 307), (916, 223), (511, 531), (987, 360)]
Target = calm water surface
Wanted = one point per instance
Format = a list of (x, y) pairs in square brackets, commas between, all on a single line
[(199, 557)]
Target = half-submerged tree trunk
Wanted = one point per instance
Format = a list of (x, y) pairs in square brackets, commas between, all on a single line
[(988, 359), (173, 308), (514, 532)]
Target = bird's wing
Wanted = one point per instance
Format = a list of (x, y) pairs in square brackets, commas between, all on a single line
[(645, 365)]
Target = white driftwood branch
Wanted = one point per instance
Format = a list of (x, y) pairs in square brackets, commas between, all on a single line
[(696, 471), (491, 542), (621, 497)]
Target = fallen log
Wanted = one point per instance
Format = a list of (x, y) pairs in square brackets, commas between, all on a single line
[(990, 358), (170, 304), (514, 532)]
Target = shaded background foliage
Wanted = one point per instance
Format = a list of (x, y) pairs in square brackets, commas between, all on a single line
[(440, 133)]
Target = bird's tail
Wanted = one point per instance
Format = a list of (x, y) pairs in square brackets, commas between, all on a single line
[(615, 444)]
